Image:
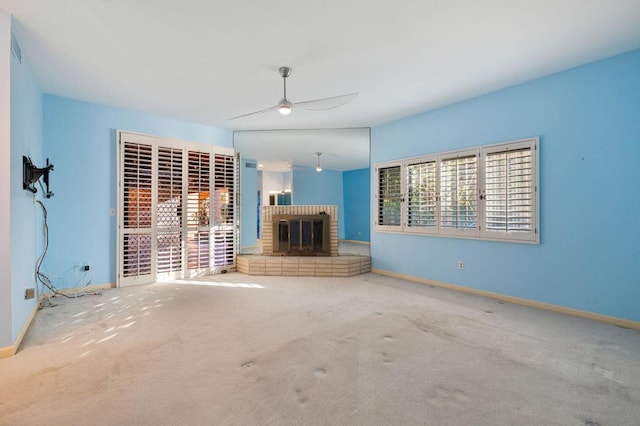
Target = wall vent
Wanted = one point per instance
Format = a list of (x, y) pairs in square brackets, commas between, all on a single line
[(16, 50), (250, 165)]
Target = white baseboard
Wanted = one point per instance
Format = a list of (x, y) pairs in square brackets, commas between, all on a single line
[(621, 322), (11, 350)]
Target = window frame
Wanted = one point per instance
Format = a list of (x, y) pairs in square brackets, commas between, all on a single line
[(514, 146), (480, 230)]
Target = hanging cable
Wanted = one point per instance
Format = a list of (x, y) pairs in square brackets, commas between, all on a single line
[(42, 277)]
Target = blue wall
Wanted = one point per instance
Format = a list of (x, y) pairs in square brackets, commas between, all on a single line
[(357, 200), (26, 216), (80, 138), (311, 187), (588, 120), (249, 204)]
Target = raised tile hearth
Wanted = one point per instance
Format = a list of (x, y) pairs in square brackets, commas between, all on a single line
[(304, 266)]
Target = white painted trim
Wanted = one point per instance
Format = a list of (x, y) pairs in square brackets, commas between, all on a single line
[(11, 350), (621, 322)]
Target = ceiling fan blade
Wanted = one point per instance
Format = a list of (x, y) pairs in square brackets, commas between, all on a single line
[(327, 103), (262, 111)]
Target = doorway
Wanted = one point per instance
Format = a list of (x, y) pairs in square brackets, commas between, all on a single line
[(176, 209)]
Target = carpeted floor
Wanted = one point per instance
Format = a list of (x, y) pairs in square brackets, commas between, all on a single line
[(367, 350)]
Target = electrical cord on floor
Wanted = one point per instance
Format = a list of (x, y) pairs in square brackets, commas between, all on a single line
[(44, 278)]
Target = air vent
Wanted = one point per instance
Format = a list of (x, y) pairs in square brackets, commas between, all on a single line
[(16, 50), (250, 165)]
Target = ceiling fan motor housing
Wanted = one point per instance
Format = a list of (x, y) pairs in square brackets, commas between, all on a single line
[(285, 72)]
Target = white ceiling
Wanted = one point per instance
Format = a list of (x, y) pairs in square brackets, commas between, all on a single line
[(206, 61)]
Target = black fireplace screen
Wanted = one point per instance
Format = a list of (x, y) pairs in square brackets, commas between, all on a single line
[(300, 235)]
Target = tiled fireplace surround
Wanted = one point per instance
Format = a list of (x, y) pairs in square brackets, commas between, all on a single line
[(334, 265)]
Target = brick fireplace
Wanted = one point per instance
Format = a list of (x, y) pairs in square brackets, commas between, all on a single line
[(270, 262)]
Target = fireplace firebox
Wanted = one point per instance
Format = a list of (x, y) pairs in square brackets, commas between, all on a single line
[(301, 235)]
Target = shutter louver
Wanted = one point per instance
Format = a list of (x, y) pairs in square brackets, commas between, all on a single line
[(458, 189), (137, 202), (509, 191), (198, 210), (169, 211), (389, 196), (224, 211), (421, 195)]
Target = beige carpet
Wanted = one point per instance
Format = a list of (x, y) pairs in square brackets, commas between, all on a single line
[(368, 350)]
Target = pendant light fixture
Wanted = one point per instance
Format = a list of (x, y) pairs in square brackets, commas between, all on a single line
[(318, 167)]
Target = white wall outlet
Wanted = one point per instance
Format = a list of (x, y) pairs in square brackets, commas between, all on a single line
[(460, 264)]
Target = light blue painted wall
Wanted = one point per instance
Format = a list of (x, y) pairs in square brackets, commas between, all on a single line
[(26, 216), (357, 199), (80, 138), (588, 120), (249, 204), (324, 188)]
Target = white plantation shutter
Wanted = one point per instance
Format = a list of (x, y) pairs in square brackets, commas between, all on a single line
[(510, 191), (198, 211), (458, 194), (136, 210), (388, 197), (169, 212), (422, 193)]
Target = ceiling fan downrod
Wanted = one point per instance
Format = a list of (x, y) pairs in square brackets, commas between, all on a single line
[(284, 106)]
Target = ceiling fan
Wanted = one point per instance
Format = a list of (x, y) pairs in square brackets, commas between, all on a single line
[(285, 106)]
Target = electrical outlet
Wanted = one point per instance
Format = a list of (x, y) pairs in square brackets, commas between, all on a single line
[(30, 293), (460, 264), (86, 268)]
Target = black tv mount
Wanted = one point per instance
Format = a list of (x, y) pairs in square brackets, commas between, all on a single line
[(32, 174)]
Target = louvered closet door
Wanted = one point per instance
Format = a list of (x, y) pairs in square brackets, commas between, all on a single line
[(136, 211)]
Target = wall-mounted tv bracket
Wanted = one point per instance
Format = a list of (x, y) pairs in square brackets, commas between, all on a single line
[(32, 174)]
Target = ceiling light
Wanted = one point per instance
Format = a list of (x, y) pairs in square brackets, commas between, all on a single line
[(284, 107), (318, 167)]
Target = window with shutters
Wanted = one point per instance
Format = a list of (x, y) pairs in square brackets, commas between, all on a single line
[(509, 192), (458, 193), (389, 197), (422, 210), (488, 192)]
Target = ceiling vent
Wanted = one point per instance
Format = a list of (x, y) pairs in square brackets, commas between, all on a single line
[(16, 50)]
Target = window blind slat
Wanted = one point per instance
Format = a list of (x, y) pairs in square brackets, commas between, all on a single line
[(421, 194), (509, 191), (458, 189), (389, 196)]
